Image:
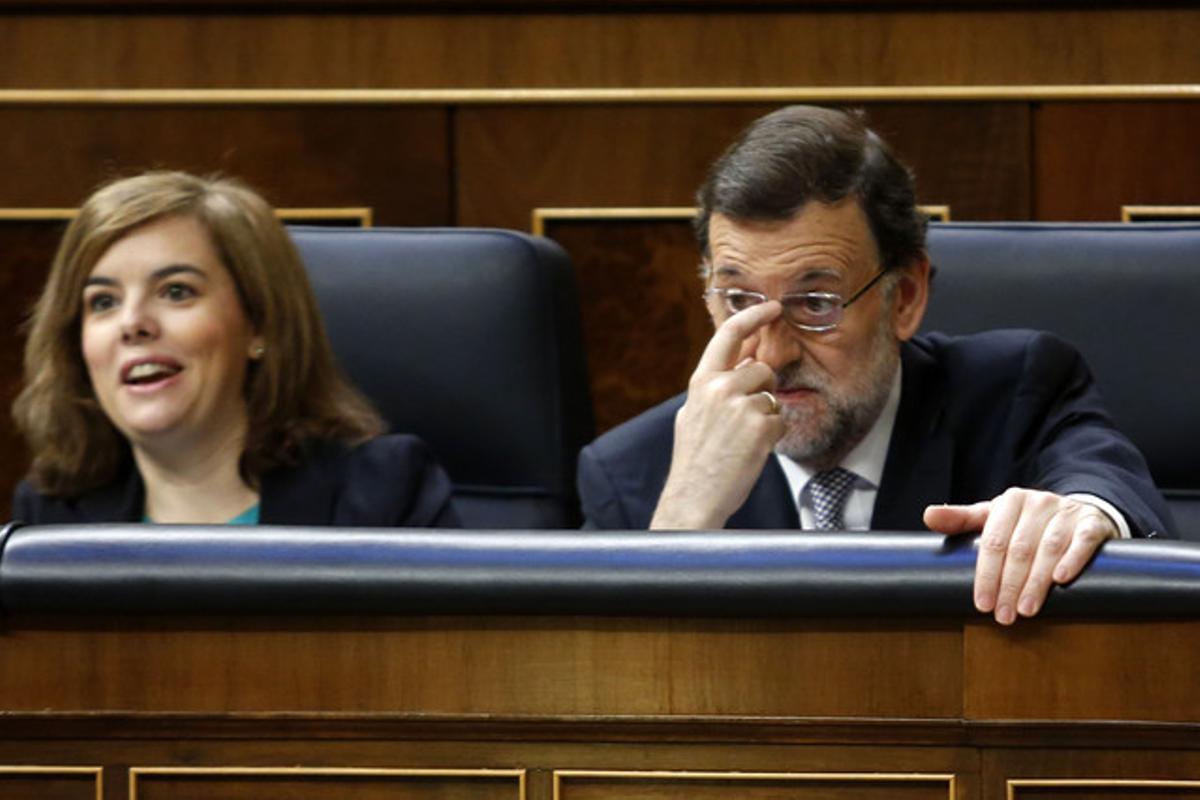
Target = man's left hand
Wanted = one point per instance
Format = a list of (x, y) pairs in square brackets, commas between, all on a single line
[(1031, 540)]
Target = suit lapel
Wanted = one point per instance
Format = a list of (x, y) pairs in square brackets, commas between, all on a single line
[(920, 461), (770, 505)]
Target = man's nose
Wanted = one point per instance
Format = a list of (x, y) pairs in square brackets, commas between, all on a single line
[(137, 323), (778, 344)]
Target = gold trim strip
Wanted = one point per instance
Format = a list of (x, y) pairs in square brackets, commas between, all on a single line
[(97, 773), (362, 214), (951, 780), (541, 216), (1128, 213), (1049, 783), (325, 772), (516, 96), (36, 214)]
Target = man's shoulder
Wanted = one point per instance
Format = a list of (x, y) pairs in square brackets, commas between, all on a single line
[(994, 356), (622, 473), (651, 432)]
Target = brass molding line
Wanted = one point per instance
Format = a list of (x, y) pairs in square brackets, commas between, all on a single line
[(97, 773), (1135, 213), (146, 773), (1014, 785), (591, 214), (541, 216), (363, 216), (565, 775), (519, 96)]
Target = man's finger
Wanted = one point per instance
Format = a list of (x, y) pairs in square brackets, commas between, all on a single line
[(1055, 541), (725, 347), (1090, 533), (993, 547), (950, 519)]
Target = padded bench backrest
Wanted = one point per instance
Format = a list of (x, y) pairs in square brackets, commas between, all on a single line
[(470, 339), (1127, 295)]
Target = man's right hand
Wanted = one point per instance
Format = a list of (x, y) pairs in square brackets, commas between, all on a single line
[(724, 432)]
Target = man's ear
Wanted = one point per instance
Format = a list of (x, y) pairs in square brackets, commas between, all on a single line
[(910, 297)]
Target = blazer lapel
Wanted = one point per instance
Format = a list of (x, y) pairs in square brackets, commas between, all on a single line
[(920, 462), (123, 500), (301, 495)]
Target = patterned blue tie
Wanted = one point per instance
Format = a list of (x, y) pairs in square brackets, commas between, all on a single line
[(829, 491)]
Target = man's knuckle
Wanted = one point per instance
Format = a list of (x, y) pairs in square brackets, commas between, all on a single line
[(1021, 550), (1056, 540), (1011, 585), (1013, 493), (994, 543)]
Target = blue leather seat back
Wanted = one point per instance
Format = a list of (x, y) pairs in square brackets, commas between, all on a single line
[(1127, 295), (470, 339)]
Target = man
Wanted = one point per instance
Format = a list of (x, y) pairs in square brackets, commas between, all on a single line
[(815, 404)]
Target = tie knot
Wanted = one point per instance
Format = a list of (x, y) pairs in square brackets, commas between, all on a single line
[(829, 491)]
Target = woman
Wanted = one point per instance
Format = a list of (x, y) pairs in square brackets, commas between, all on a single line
[(177, 370)]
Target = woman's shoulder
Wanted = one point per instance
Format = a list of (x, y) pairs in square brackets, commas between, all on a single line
[(117, 501)]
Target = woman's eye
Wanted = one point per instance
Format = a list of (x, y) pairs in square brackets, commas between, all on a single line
[(178, 291), (96, 303)]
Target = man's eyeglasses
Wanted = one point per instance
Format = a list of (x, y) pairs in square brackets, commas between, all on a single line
[(808, 311)]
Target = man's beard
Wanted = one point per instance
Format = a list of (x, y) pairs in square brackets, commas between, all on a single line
[(820, 437)]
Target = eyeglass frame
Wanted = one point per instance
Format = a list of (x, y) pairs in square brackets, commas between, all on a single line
[(722, 291)]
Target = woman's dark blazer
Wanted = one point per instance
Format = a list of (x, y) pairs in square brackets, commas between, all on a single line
[(389, 481)]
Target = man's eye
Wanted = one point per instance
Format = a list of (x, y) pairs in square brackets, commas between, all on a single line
[(740, 301), (816, 304)]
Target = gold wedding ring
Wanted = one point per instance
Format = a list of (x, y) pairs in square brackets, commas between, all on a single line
[(772, 400)]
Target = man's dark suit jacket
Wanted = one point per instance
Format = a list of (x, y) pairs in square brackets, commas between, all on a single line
[(978, 414), (390, 481)]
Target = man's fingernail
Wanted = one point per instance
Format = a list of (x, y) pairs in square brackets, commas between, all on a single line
[(1028, 606), (1005, 615)]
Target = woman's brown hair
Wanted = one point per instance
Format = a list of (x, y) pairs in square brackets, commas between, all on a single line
[(294, 394)]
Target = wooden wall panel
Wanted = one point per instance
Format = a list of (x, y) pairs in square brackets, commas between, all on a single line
[(919, 45), (1092, 158), (394, 160), (49, 783), (972, 156), (311, 784), (1039, 673), (1079, 774), (586, 156), (644, 324), (778, 786), (486, 666)]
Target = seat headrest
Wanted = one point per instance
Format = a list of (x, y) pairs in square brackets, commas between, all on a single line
[(1126, 295), (471, 340)]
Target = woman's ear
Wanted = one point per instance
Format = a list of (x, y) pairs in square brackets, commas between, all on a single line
[(257, 349), (910, 297)]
